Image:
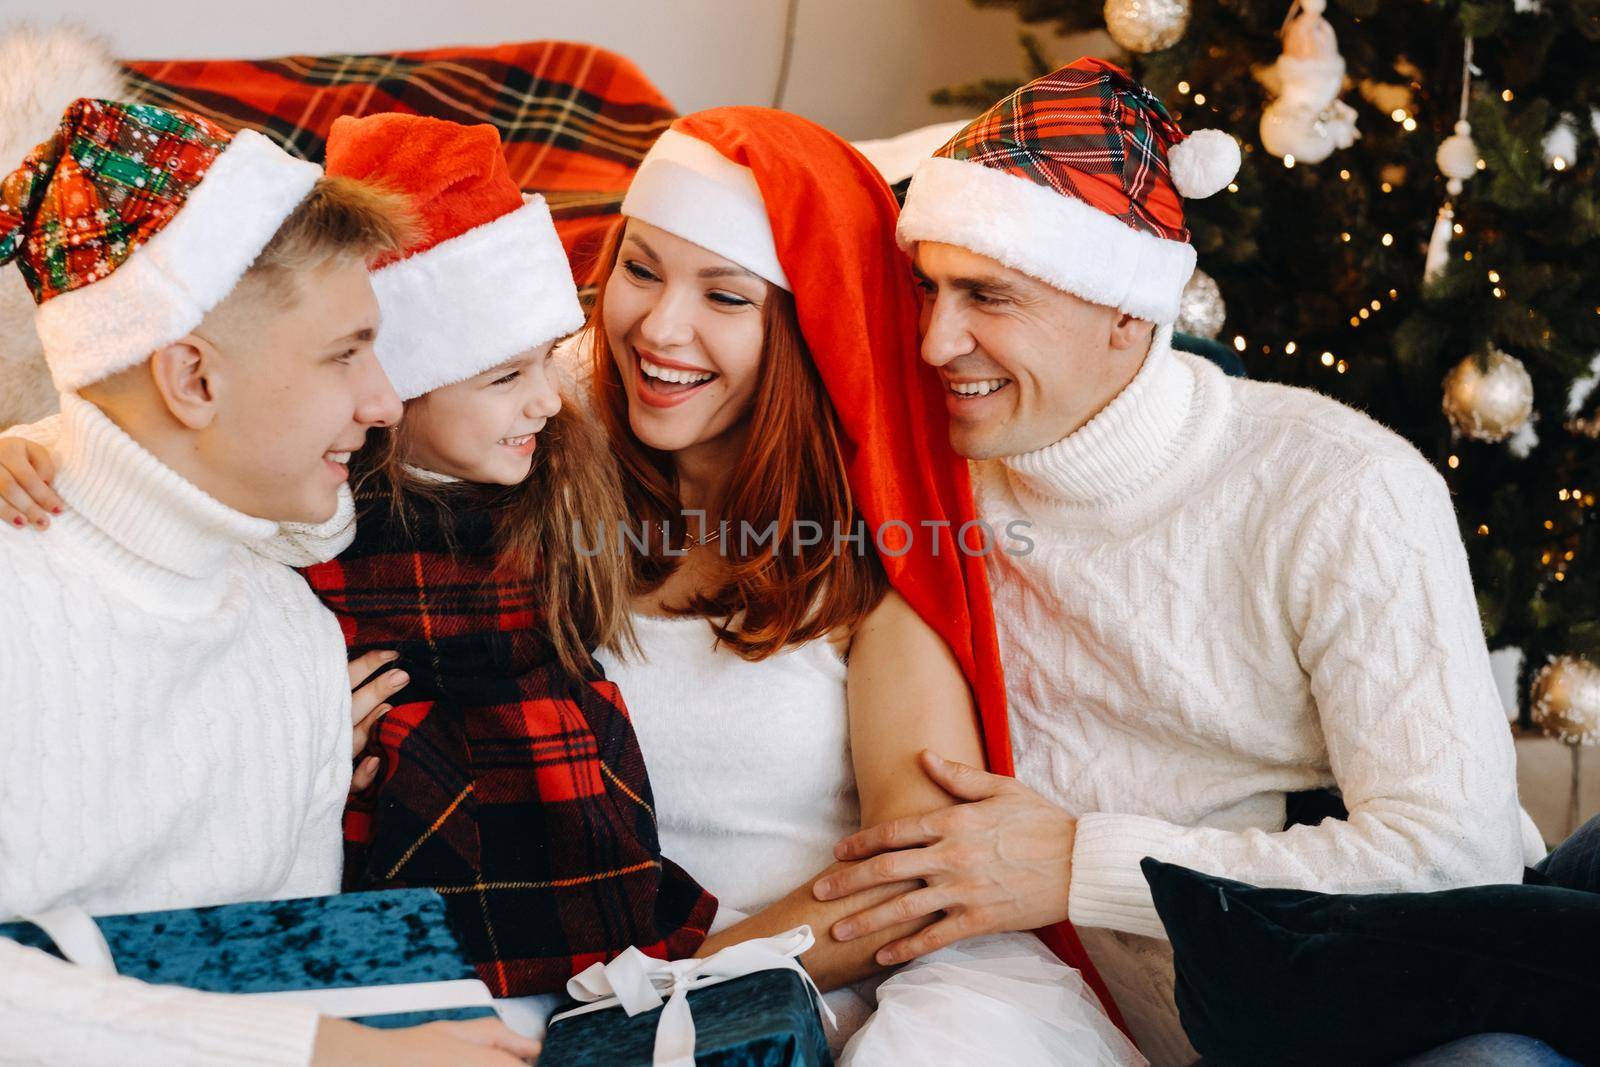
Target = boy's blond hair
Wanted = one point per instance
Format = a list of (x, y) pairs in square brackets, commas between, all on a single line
[(340, 218)]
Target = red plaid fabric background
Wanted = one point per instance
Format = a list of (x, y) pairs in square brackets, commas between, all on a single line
[(515, 789), (576, 119)]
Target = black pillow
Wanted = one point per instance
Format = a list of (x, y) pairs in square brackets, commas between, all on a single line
[(1278, 976)]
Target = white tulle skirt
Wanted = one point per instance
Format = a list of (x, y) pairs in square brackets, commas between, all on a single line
[(1002, 999)]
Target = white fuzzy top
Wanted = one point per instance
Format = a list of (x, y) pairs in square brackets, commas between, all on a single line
[(1242, 590), (175, 733), (749, 762)]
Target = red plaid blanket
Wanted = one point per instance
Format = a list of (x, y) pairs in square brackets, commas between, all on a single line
[(514, 788), (576, 119)]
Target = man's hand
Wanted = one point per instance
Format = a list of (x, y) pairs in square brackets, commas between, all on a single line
[(1002, 860), (369, 693)]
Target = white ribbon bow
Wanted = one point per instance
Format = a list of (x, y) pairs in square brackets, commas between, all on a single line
[(636, 982)]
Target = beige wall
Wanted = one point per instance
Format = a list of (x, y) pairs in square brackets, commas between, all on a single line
[(862, 67)]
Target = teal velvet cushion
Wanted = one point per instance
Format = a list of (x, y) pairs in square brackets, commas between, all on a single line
[(1278, 976)]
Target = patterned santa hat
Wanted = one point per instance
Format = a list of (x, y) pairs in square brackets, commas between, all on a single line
[(131, 222), (487, 280), (1076, 179)]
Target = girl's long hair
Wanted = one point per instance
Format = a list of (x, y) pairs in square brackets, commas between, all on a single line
[(792, 470), (574, 488)]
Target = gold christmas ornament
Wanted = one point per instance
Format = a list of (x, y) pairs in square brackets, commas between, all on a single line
[(1146, 25), (1488, 403), (1565, 700), (1201, 311)]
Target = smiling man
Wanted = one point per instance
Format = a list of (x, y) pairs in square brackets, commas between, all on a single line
[(1240, 591)]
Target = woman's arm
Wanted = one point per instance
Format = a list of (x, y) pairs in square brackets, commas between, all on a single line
[(906, 693)]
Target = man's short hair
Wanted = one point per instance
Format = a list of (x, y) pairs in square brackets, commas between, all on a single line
[(339, 219)]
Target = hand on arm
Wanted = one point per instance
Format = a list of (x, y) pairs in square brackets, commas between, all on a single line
[(999, 860), (906, 693)]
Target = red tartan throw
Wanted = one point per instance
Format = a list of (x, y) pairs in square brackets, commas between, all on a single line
[(512, 787), (575, 120)]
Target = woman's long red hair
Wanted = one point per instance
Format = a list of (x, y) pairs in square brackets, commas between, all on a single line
[(791, 470)]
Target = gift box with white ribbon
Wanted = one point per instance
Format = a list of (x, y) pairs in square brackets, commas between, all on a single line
[(750, 1004)]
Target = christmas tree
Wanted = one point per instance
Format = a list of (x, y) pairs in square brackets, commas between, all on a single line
[(1321, 264)]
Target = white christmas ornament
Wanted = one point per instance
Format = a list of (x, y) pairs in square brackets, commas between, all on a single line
[(1561, 144), (1307, 120), (1146, 25), (1488, 403), (1578, 395), (1439, 243), (1522, 443), (1458, 160), (1201, 311), (1458, 157)]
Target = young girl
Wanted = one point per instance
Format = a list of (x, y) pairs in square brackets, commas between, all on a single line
[(507, 774), (754, 359)]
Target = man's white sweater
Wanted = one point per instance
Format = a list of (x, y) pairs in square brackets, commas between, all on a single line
[(1241, 590), (175, 732)]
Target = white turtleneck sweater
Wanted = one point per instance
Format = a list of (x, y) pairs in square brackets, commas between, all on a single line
[(175, 733), (1241, 590)]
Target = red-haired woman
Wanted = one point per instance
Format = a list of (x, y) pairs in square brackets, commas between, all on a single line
[(807, 621)]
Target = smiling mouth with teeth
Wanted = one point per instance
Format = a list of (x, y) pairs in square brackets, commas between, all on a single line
[(671, 375), (517, 442), (341, 458), (976, 389)]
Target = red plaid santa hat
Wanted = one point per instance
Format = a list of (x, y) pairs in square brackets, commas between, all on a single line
[(132, 222), (487, 280), (1076, 179)]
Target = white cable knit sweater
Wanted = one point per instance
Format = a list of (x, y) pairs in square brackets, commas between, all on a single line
[(175, 732), (1241, 590)]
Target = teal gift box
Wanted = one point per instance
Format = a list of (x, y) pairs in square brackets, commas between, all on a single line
[(387, 958), (767, 1019), (750, 1005)]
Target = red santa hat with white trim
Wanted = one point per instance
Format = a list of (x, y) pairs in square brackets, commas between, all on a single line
[(487, 280), (1077, 179)]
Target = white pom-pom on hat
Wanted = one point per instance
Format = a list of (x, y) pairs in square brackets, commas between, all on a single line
[(1203, 163)]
